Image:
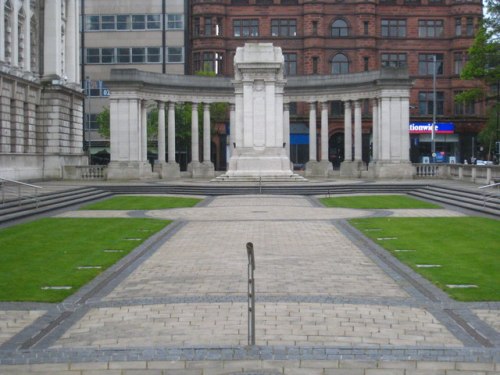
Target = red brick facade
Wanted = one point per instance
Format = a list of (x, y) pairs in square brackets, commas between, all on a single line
[(408, 30)]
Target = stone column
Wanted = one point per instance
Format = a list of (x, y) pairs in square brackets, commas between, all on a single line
[(161, 132), (206, 133), (358, 140), (72, 42), (2, 27), (144, 131), (375, 130), (404, 129), (312, 132), (52, 64), (127, 160), (286, 128), (14, 38), (324, 131), (171, 132), (232, 128), (195, 158), (347, 132)]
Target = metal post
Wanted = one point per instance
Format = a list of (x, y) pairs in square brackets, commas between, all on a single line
[(433, 134), (251, 294)]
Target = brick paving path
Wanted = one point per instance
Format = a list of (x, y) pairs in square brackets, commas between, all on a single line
[(318, 286)]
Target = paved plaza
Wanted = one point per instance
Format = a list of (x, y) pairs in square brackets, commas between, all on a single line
[(329, 301)]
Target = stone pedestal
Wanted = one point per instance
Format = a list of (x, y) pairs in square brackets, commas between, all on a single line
[(380, 169), (319, 168), (201, 170), (167, 170), (129, 170), (352, 169)]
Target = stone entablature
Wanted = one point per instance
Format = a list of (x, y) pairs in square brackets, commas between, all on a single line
[(388, 90)]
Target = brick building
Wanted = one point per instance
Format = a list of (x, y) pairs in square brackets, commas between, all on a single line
[(323, 37)]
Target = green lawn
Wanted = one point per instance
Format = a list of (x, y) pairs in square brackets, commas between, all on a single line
[(138, 202), (48, 252), (376, 202), (467, 248)]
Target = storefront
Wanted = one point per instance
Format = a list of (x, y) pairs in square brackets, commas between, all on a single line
[(446, 141)]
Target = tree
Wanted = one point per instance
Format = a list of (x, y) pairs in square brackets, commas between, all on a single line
[(103, 120), (484, 64)]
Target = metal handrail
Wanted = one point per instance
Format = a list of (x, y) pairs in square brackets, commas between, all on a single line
[(487, 196), (19, 184)]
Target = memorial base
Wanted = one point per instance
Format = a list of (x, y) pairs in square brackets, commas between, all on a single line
[(170, 170), (385, 169), (352, 169)]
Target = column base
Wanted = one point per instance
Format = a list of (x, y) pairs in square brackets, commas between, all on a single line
[(387, 169), (129, 170), (205, 169), (352, 169), (321, 168), (167, 170)]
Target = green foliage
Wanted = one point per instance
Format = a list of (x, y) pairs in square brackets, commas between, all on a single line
[(103, 119), (48, 252), (137, 202), (377, 202), (465, 247)]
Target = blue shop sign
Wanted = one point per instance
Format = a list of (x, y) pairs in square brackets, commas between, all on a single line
[(426, 128)]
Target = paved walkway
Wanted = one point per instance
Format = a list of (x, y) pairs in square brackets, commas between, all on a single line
[(326, 299)]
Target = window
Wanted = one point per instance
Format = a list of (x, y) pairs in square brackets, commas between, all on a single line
[(124, 56), (138, 55), (108, 23), (339, 29), (92, 23), (122, 22), (95, 88), (463, 108), (283, 27), (366, 63), (426, 64), (108, 56), (426, 102), (394, 28), (91, 121), (138, 22), (290, 66), (459, 60), (196, 62), (208, 26), (154, 55), (176, 22), (153, 22), (246, 28), (175, 54), (314, 27), (340, 64), (430, 28), (211, 61), (365, 27), (458, 26), (315, 61), (196, 26), (393, 60), (93, 56), (337, 108), (469, 26)]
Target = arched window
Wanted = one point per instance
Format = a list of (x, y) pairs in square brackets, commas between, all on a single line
[(340, 64), (340, 29), (7, 31), (21, 25)]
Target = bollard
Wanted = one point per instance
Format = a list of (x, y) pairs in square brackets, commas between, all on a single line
[(251, 294)]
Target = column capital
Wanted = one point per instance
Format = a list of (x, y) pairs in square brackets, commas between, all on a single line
[(161, 104), (357, 104), (324, 106), (232, 106), (286, 106), (312, 105), (171, 105), (374, 101), (206, 106), (347, 104)]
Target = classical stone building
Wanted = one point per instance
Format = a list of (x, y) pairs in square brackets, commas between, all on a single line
[(330, 37), (41, 100)]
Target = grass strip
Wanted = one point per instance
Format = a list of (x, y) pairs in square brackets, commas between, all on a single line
[(49, 252), (377, 202), (138, 202), (466, 248)]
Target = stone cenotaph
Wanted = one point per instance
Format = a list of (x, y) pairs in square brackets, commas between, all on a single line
[(258, 144)]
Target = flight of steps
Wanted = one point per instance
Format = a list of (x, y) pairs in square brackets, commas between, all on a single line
[(17, 209)]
